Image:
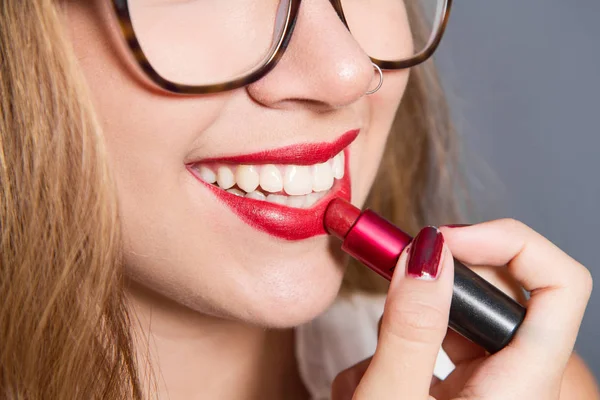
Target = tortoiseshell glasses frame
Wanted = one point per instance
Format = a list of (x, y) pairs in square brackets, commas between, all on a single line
[(121, 9)]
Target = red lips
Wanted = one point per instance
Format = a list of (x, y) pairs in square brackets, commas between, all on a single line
[(278, 220)]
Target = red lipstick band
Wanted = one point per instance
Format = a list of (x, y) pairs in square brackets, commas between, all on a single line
[(479, 311)]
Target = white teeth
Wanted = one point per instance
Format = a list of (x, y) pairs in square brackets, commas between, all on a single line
[(322, 176), (246, 178), (225, 178), (337, 165), (296, 201), (302, 185), (207, 174), (310, 200), (270, 179), (256, 196), (237, 192), (305, 201), (297, 180), (277, 199)]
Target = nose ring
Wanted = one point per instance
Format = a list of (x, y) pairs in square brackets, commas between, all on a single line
[(380, 79)]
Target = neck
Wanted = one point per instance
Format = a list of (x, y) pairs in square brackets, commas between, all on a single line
[(193, 355)]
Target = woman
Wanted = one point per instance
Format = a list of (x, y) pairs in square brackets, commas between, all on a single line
[(128, 270)]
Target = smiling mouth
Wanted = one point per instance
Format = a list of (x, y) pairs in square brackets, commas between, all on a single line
[(283, 192), (297, 186)]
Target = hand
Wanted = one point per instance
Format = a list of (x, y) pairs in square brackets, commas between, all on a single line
[(415, 320)]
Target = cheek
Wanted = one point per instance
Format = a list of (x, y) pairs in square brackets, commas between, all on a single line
[(145, 131), (147, 134), (368, 152)]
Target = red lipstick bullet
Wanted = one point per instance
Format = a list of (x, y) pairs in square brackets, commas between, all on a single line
[(479, 311)]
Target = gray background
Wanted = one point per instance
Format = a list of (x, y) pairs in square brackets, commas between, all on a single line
[(524, 85)]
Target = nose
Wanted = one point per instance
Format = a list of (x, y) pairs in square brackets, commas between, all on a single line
[(323, 67)]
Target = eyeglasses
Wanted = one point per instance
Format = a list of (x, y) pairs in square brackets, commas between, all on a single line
[(209, 46)]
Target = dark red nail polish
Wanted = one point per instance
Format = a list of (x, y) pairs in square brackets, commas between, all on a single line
[(425, 254), (456, 225)]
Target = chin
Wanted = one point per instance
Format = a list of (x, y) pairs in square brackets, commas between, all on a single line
[(291, 293)]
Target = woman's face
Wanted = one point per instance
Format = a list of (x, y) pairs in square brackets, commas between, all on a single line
[(212, 251)]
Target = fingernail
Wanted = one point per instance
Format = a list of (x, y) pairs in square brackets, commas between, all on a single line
[(456, 225), (425, 254)]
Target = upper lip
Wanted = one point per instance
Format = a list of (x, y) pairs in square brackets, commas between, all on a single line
[(297, 154)]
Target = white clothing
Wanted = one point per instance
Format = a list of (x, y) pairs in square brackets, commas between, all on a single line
[(342, 336)]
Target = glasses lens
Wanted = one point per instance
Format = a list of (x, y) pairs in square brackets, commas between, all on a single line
[(393, 30), (205, 42)]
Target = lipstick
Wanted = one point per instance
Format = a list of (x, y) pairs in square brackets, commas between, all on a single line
[(479, 311), (298, 154)]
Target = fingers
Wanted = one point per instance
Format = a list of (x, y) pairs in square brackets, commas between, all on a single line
[(460, 349), (345, 383), (414, 322), (560, 287)]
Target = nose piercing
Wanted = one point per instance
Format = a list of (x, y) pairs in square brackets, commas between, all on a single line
[(380, 79)]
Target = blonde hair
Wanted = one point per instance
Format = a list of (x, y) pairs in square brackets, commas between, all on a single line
[(64, 327)]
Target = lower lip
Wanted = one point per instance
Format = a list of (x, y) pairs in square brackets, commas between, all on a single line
[(281, 221)]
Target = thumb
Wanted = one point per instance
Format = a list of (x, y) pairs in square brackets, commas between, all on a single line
[(415, 321)]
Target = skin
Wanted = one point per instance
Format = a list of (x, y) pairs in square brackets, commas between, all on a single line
[(538, 363), (205, 285)]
